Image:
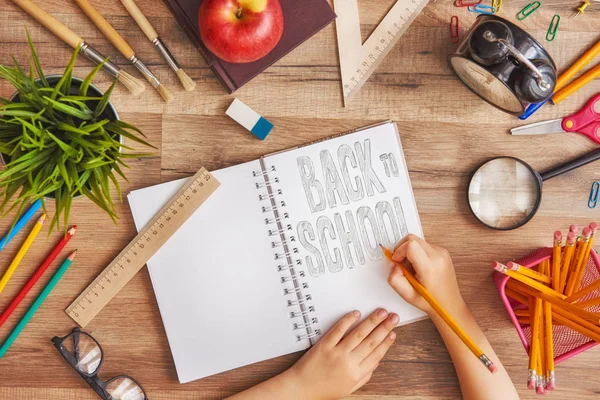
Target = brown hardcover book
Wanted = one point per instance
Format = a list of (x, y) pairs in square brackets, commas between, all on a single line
[(302, 19)]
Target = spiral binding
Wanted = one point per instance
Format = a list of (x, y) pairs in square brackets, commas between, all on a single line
[(287, 253)]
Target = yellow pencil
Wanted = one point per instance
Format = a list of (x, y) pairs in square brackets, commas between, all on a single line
[(549, 342), (534, 352), (22, 251), (444, 315), (566, 261), (556, 260), (538, 276), (584, 292), (507, 270), (588, 303), (579, 266)]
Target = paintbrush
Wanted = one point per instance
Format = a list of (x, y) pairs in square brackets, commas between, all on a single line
[(134, 85), (148, 29), (117, 40)]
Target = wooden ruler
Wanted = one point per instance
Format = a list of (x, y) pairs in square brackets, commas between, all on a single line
[(357, 60), (137, 253)]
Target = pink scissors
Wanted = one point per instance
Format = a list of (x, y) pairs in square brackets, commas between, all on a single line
[(585, 122)]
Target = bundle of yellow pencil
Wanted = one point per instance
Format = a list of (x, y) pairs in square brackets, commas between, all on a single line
[(553, 296)]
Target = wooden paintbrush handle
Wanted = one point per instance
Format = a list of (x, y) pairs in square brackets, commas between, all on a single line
[(140, 19), (111, 34), (51, 23)]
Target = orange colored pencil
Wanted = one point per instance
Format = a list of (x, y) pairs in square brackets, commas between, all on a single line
[(566, 261), (507, 270), (443, 314), (556, 253)]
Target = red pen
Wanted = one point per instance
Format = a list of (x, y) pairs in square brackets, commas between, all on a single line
[(38, 273)]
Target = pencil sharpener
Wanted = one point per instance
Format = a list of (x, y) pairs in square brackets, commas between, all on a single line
[(504, 65)]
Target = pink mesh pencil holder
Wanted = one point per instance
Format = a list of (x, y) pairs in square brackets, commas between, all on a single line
[(567, 342)]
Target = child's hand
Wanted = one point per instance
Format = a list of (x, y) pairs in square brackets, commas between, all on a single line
[(433, 268), (337, 366)]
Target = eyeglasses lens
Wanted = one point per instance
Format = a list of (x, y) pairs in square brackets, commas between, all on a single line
[(124, 389)]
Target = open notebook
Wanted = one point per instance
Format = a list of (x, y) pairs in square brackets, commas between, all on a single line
[(284, 248)]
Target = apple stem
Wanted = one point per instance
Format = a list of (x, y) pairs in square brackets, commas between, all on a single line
[(238, 13)]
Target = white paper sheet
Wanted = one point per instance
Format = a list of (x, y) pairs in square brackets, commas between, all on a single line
[(363, 287), (216, 281)]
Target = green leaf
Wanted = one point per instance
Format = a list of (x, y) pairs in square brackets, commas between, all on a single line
[(83, 89), (65, 147), (36, 60), (72, 111), (104, 101)]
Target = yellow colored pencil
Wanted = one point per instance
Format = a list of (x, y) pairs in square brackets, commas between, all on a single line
[(22, 251), (556, 250), (538, 276), (444, 315), (566, 261), (507, 270)]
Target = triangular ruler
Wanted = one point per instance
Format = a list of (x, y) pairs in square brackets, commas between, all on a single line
[(358, 60)]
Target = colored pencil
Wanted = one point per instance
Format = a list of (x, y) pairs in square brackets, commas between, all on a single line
[(576, 85), (566, 261), (573, 280), (36, 304), (22, 251), (506, 269), (560, 304), (538, 276), (444, 314), (556, 252), (20, 223), (36, 276)]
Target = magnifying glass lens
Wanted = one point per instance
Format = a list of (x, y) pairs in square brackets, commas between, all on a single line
[(504, 193)]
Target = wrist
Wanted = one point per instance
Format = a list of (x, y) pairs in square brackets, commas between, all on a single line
[(456, 308)]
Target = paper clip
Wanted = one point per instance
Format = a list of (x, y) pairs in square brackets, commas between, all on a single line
[(462, 3), (497, 4), (553, 29), (594, 195), (454, 32), (482, 9), (528, 10)]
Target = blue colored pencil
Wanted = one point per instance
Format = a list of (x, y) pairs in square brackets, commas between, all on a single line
[(529, 111), (20, 223), (36, 304)]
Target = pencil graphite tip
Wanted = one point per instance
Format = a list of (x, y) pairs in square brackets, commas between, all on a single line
[(386, 252), (42, 219)]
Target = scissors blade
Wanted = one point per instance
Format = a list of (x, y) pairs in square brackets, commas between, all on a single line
[(540, 128)]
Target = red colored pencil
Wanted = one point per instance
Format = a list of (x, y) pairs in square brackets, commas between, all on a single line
[(38, 273)]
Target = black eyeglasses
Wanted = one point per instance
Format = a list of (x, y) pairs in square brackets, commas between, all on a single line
[(85, 355)]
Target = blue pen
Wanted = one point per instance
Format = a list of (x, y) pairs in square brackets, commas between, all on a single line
[(20, 223), (532, 108)]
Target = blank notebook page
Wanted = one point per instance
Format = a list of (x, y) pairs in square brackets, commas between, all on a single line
[(216, 282)]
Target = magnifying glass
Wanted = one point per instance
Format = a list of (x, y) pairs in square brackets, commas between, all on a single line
[(505, 192)]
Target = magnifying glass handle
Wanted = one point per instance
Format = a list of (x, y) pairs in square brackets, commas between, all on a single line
[(571, 165)]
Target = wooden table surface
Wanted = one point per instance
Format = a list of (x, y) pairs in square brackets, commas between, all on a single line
[(446, 132)]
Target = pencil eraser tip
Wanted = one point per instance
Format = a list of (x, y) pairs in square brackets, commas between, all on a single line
[(587, 231), (558, 235), (573, 228), (594, 226), (540, 390), (551, 386), (531, 384), (496, 265), (493, 369), (571, 236)]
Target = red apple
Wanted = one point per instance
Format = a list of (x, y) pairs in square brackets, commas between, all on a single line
[(240, 31)]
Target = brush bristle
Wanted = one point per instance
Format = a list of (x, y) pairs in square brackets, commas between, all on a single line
[(165, 93), (187, 82), (134, 85)]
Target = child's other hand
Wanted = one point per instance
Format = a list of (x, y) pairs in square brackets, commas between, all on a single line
[(433, 268), (337, 366)]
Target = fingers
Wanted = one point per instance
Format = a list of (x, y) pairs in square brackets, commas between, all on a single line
[(376, 337), (338, 331), (363, 330), (414, 252), (401, 285), (377, 355), (428, 248)]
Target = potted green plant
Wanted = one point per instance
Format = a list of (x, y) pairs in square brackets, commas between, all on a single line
[(60, 138)]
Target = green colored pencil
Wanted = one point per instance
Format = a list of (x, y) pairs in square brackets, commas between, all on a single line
[(36, 304)]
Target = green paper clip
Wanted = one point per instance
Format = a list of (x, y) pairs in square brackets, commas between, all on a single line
[(551, 34), (528, 10)]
